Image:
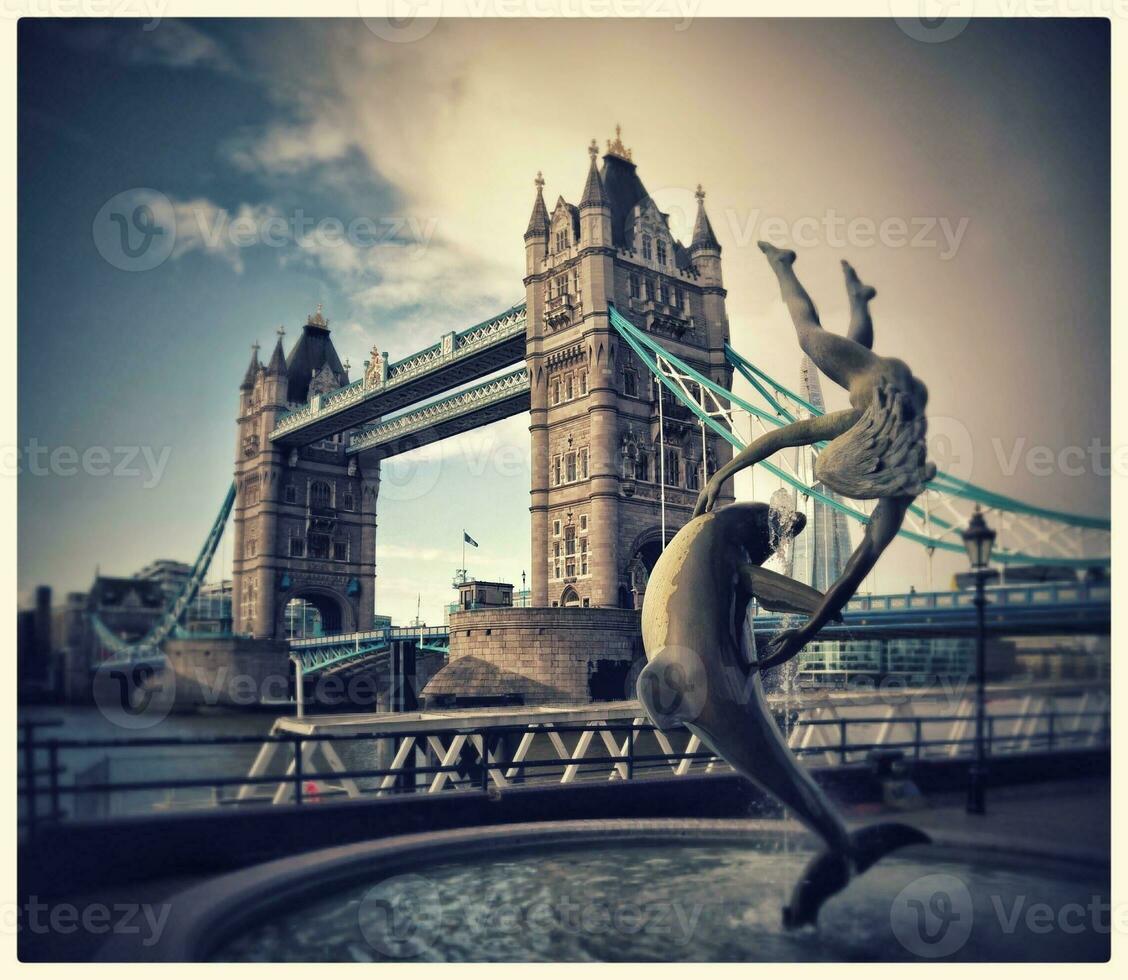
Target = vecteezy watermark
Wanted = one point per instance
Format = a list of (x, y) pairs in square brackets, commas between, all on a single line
[(937, 21), (400, 21), (859, 232), (404, 21), (96, 918), (135, 230), (124, 462), (402, 917), (934, 916), (141, 693), (140, 228), (933, 21), (1097, 458), (134, 695), (151, 10), (748, 226)]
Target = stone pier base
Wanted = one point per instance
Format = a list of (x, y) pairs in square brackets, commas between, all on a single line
[(537, 656), (232, 672)]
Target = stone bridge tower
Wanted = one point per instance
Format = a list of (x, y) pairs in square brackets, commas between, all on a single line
[(305, 519), (596, 444)]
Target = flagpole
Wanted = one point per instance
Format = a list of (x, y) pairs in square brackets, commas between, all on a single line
[(464, 554)]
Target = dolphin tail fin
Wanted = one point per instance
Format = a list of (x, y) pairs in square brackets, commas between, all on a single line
[(872, 843), (830, 871)]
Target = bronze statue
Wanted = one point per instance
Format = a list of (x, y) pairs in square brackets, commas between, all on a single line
[(702, 667), (702, 673), (877, 448)]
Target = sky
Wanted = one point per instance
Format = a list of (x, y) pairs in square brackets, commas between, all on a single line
[(967, 180)]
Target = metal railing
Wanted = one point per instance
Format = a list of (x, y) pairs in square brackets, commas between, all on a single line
[(430, 759)]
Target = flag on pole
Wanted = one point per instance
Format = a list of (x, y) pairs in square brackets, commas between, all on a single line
[(469, 540)]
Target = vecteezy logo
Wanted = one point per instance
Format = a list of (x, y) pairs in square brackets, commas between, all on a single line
[(674, 690), (134, 696), (405, 21), (950, 447), (135, 230), (400, 917), (938, 20), (932, 916)]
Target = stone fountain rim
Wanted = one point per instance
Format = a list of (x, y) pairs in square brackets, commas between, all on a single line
[(203, 918)]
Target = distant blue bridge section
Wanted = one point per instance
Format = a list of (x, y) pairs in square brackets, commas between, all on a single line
[(1052, 607), (1045, 609), (325, 653)]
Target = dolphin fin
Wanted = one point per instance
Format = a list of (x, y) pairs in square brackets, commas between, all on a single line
[(830, 871), (875, 841), (778, 593)]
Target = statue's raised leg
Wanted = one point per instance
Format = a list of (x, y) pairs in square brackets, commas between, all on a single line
[(861, 324), (839, 358)]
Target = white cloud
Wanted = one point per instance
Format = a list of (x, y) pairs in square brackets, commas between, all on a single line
[(285, 149), (176, 44)]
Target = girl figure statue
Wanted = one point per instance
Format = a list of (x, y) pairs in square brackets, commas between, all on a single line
[(877, 446)]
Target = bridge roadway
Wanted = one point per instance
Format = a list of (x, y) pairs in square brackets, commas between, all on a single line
[(490, 401), (1048, 609), (458, 358)]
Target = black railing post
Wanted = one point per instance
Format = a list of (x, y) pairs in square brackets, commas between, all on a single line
[(53, 778), (29, 776), (917, 737), (485, 740), (298, 771), (1050, 732), (842, 739), (630, 750)]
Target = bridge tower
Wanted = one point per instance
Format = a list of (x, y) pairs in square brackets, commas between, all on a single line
[(597, 442), (304, 519)]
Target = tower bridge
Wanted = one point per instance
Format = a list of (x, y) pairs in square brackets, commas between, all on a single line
[(621, 354)]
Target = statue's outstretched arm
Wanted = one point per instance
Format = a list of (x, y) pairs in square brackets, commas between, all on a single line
[(884, 524), (802, 433)]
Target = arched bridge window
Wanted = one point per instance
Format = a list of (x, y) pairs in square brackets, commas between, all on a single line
[(320, 494)]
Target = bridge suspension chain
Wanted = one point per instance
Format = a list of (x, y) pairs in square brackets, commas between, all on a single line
[(1034, 534), (148, 645)]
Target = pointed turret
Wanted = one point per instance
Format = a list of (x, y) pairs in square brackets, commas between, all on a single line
[(703, 237), (313, 350), (538, 220), (593, 196), (277, 363), (595, 206), (252, 369), (536, 235)]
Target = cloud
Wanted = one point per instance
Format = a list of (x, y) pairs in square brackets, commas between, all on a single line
[(285, 149), (169, 44), (203, 226), (176, 44)]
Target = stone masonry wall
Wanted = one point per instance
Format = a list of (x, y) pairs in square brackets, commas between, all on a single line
[(541, 656)]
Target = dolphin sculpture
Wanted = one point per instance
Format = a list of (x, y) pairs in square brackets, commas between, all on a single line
[(700, 673)]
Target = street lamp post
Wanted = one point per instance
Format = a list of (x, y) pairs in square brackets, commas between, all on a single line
[(979, 539)]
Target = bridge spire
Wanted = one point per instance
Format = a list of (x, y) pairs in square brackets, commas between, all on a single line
[(616, 148), (538, 221), (252, 368), (703, 237), (277, 363), (593, 196)]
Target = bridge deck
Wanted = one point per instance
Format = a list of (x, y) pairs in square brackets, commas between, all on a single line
[(456, 360), (491, 401)]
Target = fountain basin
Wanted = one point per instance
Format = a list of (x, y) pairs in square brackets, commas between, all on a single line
[(629, 890)]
